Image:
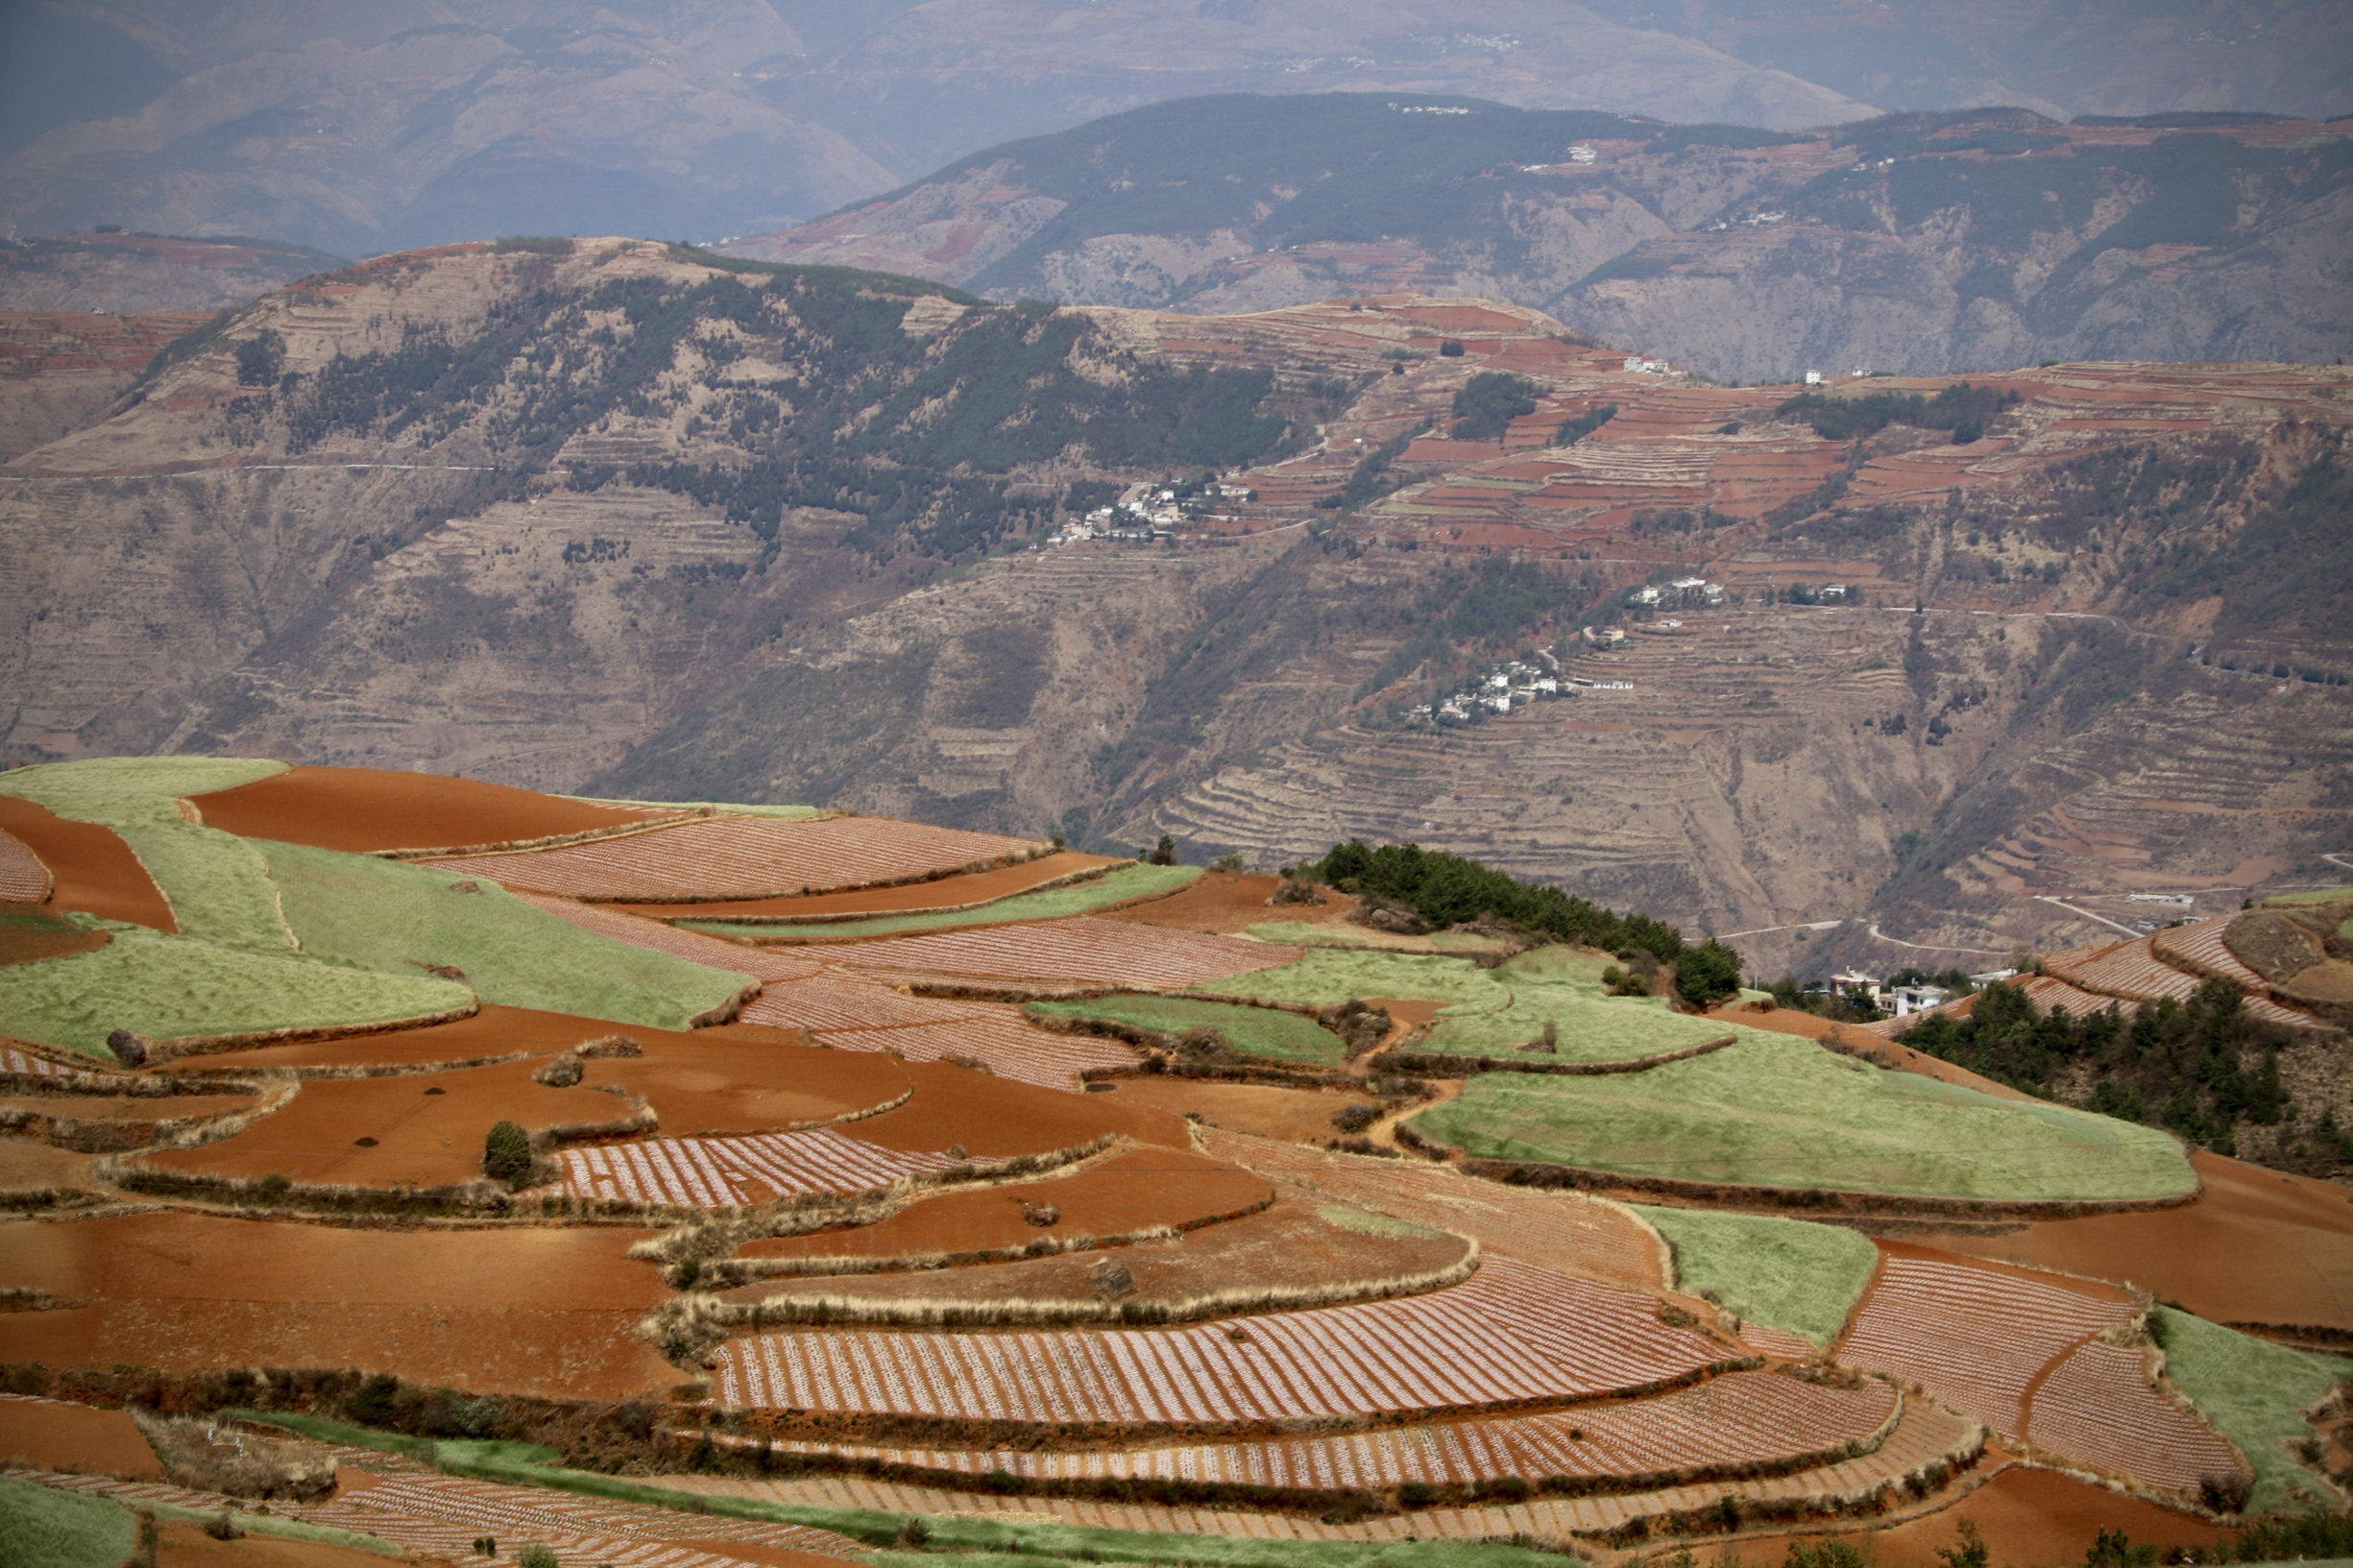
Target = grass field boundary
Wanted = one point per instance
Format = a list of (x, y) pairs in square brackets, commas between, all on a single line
[(547, 842), (183, 1046), (1107, 1023), (1440, 1064), (763, 931), (1037, 850), (1068, 879)]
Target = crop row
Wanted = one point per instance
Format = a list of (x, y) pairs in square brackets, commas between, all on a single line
[(23, 879), (2122, 969), (2200, 945), (1568, 1231), (741, 858), (721, 1173), (2099, 1406), (1741, 1418), (1513, 1332), (12, 1060), (1006, 1047), (767, 965), (1974, 1338), (1082, 947), (847, 1002)]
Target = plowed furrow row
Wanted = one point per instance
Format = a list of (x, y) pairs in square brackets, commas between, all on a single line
[(1006, 1047), (721, 1173), (2099, 1406), (23, 879)]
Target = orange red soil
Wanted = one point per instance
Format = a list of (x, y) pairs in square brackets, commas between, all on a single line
[(1285, 1115), (1133, 1190), (363, 810), (2025, 1516), (27, 1165), (60, 1436), (30, 933), (491, 1031), (94, 869), (127, 1108), (946, 893), (994, 1119), (2256, 1246), (186, 1546), (700, 1084), (1223, 903), (516, 1308)]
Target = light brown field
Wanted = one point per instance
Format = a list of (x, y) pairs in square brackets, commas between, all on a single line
[(367, 809)]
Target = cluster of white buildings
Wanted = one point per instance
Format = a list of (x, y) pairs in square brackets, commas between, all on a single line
[(1684, 591), (1638, 365), (1514, 683)]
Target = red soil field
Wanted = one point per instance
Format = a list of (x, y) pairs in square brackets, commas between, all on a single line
[(365, 810), (1084, 949), (1131, 1191), (726, 1084), (1226, 902), (125, 1108), (30, 933), (836, 1000), (1282, 1115), (29, 1167), (422, 1138), (695, 948), (993, 1119), (185, 1545), (23, 879), (58, 1436), (2099, 1406), (1461, 318), (743, 857), (2024, 1515), (510, 1309), (2255, 1246), (723, 1173), (1000, 1041), (95, 870), (492, 1031), (945, 893)]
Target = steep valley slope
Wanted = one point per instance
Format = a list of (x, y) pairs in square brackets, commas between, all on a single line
[(628, 518)]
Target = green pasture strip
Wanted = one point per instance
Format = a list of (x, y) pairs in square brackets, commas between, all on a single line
[(164, 986), (1302, 934), (1557, 963), (2253, 1391), (43, 1525), (1256, 1031), (524, 1464), (1347, 1217), (1325, 977), (393, 917), (2312, 895), (780, 813), (1126, 884), (1782, 1273), (1773, 1111), (218, 883)]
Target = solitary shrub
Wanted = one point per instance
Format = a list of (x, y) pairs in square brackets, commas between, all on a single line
[(221, 1527), (2225, 1491), (1356, 1117), (506, 1154), (533, 1555), (1707, 973), (1162, 854), (562, 1073)]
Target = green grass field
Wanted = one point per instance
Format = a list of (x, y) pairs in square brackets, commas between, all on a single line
[(1255, 1032), (43, 1528), (2252, 1392), (164, 986), (1784, 1273), (218, 883), (391, 917), (1779, 1112), (1492, 1012), (1123, 885)]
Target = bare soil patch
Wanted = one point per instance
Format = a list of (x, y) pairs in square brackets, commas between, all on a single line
[(60, 1436), (992, 1118), (94, 869), (1288, 1114), (364, 810), (2024, 1515), (748, 1085), (29, 933), (540, 1310), (424, 1131), (1133, 1190), (127, 1108), (945, 893), (27, 1165), (1223, 903), (491, 1031), (2255, 1246), (185, 1545)]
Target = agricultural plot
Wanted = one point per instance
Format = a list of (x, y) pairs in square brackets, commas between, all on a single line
[(169, 987), (2254, 1391), (2128, 969), (1785, 1274), (1739, 1419), (23, 879), (1511, 1333), (1977, 1337), (30, 933), (1255, 1032), (1326, 976), (725, 1172), (92, 869), (743, 857), (1123, 885), (370, 811), (1566, 1232), (831, 1000), (736, 1080), (996, 1040), (394, 918), (2099, 1406), (1773, 1111), (1083, 949), (12, 1060), (765, 965), (2199, 948)]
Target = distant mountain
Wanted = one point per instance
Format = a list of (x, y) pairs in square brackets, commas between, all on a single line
[(360, 129), (1918, 243)]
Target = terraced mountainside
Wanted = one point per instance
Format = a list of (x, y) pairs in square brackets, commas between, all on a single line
[(614, 515), (1922, 243)]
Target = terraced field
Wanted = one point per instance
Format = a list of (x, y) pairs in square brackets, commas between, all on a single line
[(1086, 950)]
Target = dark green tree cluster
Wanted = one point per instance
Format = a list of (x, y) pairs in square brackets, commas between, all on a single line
[(506, 1154), (1487, 403), (2176, 1064), (1447, 889), (1575, 430), (1960, 408), (1370, 479)]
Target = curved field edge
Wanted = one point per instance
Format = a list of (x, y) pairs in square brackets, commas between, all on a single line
[(1771, 1111), (387, 916), (1255, 1032), (61, 1529), (175, 987), (1122, 885), (524, 1464), (1782, 1273), (2252, 1392)]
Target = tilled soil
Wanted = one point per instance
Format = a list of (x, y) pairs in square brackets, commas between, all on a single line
[(366, 810), (58, 1436), (729, 1084), (28, 1164), (1291, 1116), (1223, 903), (127, 1107), (30, 933), (537, 1310), (491, 1031), (94, 870), (990, 1117), (946, 893), (1131, 1191)]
